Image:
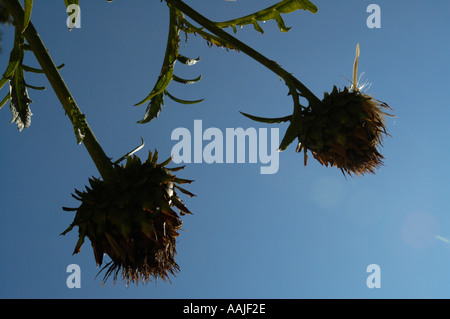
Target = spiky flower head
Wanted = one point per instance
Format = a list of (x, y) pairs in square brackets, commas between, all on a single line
[(130, 218), (345, 130)]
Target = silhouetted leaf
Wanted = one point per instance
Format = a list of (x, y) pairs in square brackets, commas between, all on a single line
[(184, 81), (156, 95), (153, 108), (187, 27), (186, 60), (39, 71), (184, 191), (266, 119), (19, 101), (182, 101), (39, 88), (271, 13)]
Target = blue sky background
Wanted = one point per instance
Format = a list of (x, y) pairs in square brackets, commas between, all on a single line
[(305, 232)]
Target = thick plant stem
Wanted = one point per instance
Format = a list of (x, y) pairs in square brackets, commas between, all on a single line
[(94, 148), (239, 45)]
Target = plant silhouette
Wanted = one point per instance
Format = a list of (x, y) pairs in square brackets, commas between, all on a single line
[(128, 212)]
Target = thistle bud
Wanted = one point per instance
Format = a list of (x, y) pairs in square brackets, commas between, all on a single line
[(130, 219)]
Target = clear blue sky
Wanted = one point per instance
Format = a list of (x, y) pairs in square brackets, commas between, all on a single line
[(304, 232)]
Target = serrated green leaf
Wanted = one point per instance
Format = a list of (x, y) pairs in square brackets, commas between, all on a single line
[(266, 119), (19, 101), (27, 14), (153, 108), (271, 13), (184, 81), (211, 39), (182, 101)]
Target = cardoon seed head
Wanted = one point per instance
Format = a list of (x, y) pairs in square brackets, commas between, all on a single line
[(346, 129), (130, 219)]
